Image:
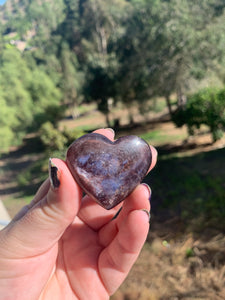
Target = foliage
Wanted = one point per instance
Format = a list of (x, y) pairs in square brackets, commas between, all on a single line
[(27, 95), (103, 51), (54, 139), (7, 122), (54, 143), (207, 107), (71, 80), (33, 175), (100, 24), (51, 137)]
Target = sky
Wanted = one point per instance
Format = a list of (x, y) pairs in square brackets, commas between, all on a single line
[(2, 1)]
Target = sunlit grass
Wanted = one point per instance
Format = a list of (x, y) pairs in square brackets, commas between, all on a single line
[(158, 137), (87, 128)]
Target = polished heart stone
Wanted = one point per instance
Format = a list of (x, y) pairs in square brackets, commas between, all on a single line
[(108, 171)]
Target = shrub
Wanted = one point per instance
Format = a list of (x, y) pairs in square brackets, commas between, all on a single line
[(51, 137), (205, 107), (54, 139)]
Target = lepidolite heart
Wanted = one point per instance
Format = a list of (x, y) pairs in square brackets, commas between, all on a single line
[(108, 171)]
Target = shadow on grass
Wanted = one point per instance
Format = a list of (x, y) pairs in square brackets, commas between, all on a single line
[(137, 127), (31, 145), (189, 188), (192, 188), (22, 169), (18, 192)]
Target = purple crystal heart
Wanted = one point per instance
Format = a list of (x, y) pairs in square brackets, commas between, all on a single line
[(108, 171)]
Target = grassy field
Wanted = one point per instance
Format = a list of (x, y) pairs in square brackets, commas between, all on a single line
[(191, 187), (184, 254)]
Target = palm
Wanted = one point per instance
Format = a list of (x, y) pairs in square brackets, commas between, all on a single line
[(77, 261), (88, 263), (59, 247), (88, 260), (79, 253)]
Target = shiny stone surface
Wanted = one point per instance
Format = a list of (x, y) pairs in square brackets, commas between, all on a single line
[(108, 171)]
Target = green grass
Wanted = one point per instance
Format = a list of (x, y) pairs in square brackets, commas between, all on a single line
[(8, 38), (86, 108), (183, 184), (158, 137), (191, 187), (157, 105), (87, 128)]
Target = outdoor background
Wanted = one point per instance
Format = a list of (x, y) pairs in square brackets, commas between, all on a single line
[(153, 68)]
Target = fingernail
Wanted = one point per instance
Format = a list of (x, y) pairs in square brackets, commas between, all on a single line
[(53, 175), (110, 129), (148, 214), (117, 214), (149, 190)]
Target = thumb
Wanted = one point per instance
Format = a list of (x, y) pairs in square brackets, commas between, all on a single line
[(39, 226)]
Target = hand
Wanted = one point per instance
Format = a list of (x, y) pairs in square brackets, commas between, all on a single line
[(59, 247)]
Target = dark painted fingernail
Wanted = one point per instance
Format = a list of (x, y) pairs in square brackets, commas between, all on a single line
[(148, 213), (150, 197), (150, 191), (53, 175), (117, 214)]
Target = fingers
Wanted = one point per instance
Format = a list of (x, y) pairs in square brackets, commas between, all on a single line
[(154, 157), (52, 211), (138, 200), (94, 215), (57, 202), (117, 259), (41, 193), (108, 132), (123, 238)]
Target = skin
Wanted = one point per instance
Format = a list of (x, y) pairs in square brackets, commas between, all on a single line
[(59, 247)]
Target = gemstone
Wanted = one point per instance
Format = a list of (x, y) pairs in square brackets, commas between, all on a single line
[(108, 171)]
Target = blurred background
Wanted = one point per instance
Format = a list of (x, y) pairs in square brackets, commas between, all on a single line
[(153, 68)]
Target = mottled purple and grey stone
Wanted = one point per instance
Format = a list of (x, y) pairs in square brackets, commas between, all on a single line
[(108, 171)]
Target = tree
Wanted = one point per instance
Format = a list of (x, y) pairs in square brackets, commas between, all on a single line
[(188, 50), (100, 24), (28, 97), (165, 48), (106, 51), (206, 107), (7, 123), (139, 50), (71, 78), (46, 99)]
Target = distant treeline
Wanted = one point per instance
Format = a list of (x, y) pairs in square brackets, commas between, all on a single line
[(96, 50)]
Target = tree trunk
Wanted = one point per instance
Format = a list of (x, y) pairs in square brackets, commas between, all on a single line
[(169, 105), (107, 119), (181, 99)]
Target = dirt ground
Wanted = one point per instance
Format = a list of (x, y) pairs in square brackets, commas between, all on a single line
[(174, 264)]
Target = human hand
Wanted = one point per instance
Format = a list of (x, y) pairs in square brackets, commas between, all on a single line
[(59, 247)]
